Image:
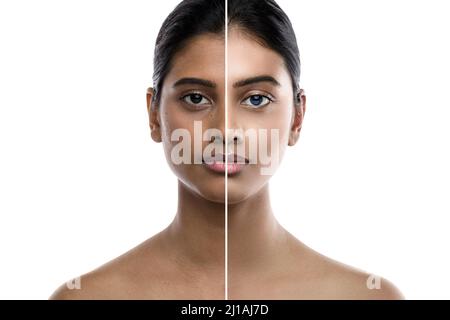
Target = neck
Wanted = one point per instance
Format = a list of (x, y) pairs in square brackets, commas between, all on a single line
[(198, 231), (255, 237)]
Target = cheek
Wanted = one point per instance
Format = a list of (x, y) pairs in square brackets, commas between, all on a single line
[(274, 125), (283, 123), (280, 121), (277, 117), (182, 137), (173, 119)]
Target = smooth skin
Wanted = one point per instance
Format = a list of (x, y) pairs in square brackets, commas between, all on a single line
[(186, 260)]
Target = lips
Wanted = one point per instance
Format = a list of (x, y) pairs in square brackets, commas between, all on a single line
[(235, 163)]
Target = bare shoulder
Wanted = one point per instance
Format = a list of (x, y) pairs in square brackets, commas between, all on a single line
[(360, 285), (326, 278), (132, 275), (102, 283), (342, 281)]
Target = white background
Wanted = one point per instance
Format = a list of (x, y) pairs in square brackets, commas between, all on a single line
[(81, 181)]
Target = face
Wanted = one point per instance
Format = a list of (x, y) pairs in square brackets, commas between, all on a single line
[(262, 116)]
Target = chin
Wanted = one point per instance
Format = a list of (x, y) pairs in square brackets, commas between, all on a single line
[(240, 188), (236, 196), (213, 192)]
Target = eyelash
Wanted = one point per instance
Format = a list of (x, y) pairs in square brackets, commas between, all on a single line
[(182, 98), (193, 105), (268, 97)]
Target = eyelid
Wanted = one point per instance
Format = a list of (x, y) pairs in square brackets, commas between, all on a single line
[(260, 93), (268, 96), (187, 93)]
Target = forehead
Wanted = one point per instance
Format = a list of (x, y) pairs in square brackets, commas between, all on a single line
[(204, 57), (247, 57)]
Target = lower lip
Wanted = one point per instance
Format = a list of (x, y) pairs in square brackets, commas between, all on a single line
[(219, 167)]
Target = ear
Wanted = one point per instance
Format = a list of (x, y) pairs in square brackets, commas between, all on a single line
[(297, 117), (153, 115)]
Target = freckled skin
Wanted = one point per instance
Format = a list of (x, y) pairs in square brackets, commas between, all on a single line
[(186, 259)]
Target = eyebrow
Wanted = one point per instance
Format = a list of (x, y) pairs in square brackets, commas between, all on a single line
[(240, 83), (198, 81), (263, 78)]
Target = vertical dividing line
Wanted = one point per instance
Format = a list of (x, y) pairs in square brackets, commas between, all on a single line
[(226, 150)]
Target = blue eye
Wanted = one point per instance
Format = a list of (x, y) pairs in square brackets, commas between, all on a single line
[(195, 99), (257, 100)]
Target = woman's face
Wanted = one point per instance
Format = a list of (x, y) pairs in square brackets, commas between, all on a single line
[(261, 116)]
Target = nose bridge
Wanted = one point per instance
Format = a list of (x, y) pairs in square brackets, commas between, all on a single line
[(216, 124), (232, 118), (226, 121), (218, 117), (234, 122), (235, 131)]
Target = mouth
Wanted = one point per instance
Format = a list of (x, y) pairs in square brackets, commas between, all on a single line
[(232, 164)]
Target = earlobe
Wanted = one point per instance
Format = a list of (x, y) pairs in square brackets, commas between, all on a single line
[(153, 114)]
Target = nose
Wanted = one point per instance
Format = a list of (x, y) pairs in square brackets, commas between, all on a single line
[(235, 132), (233, 137), (225, 129)]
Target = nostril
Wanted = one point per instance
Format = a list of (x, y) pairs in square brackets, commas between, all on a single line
[(216, 137)]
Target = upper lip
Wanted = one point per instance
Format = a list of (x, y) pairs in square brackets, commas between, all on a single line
[(231, 158)]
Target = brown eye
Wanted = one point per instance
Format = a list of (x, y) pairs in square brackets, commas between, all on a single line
[(195, 99)]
